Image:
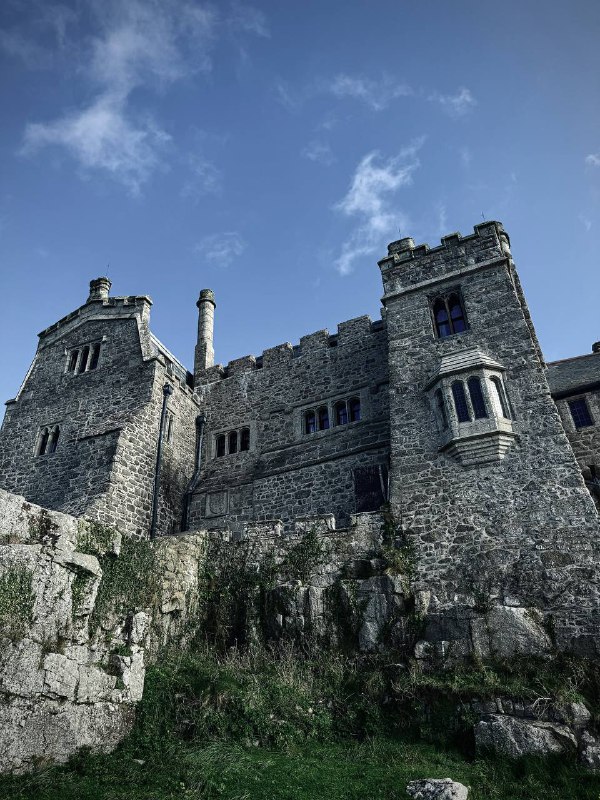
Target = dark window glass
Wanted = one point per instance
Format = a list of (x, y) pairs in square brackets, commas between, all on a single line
[(354, 405), (460, 401), (449, 315), (95, 356), (72, 360), (323, 414), (477, 400), (341, 413), (442, 322), (310, 422), (221, 445), (580, 413), (44, 436), (233, 442), (441, 407), (245, 439), (500, 396), (53, 441), (83, 360)]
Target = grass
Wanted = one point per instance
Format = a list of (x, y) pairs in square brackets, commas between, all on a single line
[(299, 726)]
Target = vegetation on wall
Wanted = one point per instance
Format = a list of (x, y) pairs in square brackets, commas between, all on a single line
[(16, 602)]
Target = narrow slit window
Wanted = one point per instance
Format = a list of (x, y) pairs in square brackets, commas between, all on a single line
[(460, 401), (310, 422), (500, 397), (43, 441), (477, 399), (323, 413), (233, 442), (354, 408), (220, 445), (72, 363), (580, 413), (457, 315), (94, 356), (441, 407), (168, 427), (84, 358), (53, 440), (341, 413), (245, 439)]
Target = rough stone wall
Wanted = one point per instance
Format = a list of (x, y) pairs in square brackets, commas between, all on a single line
[(109, 417), (287, 473), (585, 441), (81, 613), (519, 530)]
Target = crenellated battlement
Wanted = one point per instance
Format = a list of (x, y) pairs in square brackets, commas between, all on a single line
[(408, 266), (350, 333)]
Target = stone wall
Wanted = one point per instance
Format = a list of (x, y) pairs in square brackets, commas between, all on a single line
[(108, 418), (288, 473), (496, 508), (82, 611), (585, 441)]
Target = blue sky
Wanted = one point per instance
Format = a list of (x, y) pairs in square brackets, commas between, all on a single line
[(271, 151)]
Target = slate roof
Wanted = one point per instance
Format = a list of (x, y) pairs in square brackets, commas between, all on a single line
[(572, 375)]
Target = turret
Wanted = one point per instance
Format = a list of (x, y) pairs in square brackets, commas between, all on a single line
[(99, 289), (204, 356)]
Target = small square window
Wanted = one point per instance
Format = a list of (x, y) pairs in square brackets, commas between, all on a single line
[(580, 413)]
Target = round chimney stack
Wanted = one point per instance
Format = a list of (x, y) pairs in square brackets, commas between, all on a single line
[(99, 289)]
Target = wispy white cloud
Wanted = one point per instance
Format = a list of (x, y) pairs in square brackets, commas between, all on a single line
[(586, 222), (374, 180), (465, 156), (33, 55), (249, 20), (319, 151), (103, 137), (149, 44), (442, 220), (287, 96), (376, 94), (203, 178), (456, 105), (221, 249), (593, 160)]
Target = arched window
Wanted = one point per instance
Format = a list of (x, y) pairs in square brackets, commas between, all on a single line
[(500, 396), (460, 401), (94, 357), (310, 422), (220, 445), (477, 399), (43, 441), (83, 360), (323, 414), (441, 407), (233, 442), (442, 321), (354, 408), (449, 315), (72, 360), (341, 413), (53, 441), (245, 439)]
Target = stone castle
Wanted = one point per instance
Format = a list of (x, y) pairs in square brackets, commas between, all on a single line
[(442, 416)]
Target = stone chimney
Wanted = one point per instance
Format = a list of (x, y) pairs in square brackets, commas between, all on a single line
[(204, 356), (99, 289)]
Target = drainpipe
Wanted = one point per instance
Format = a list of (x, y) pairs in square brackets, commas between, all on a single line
[(200, 422), (167, 392)]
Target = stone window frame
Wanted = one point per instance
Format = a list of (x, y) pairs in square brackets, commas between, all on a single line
[(47, 439), (76, 359), (312, 415), (169, 431), (444, 295), (243, 436), (581, 398)]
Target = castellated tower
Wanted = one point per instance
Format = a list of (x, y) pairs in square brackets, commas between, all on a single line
[(483, 481)]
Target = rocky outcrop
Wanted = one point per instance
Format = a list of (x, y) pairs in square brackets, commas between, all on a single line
[(515, 737), (437, 789)]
